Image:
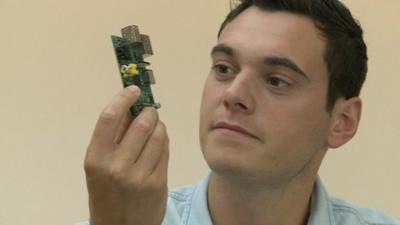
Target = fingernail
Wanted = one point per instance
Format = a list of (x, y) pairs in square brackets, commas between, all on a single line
[(133, 88)]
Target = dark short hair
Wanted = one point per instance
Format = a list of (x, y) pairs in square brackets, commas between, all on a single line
[(345, 53)]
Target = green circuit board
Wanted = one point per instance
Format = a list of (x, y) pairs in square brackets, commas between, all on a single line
[(131, 49)]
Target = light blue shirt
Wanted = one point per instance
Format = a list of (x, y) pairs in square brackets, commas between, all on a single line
[(188, 206)]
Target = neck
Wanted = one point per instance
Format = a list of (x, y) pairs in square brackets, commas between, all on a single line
[(233, 203)]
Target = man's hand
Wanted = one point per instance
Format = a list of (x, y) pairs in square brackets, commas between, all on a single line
[(126, 165)]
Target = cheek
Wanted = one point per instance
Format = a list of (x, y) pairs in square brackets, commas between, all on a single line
[(208, 104), (298, 125), (292, 139), (205, 101), (211, 98)]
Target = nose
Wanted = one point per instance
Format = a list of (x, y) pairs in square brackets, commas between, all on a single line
[(239, 95)]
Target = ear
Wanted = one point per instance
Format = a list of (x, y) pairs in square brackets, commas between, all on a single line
[(345, 118)]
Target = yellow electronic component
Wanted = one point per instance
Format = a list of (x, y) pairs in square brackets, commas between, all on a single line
[(130, 70), (133, 66)]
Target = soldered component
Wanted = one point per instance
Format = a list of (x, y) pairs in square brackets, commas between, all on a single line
[(131, 49)]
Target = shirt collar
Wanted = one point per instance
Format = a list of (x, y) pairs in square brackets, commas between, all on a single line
[(320, 212), (199, 212)]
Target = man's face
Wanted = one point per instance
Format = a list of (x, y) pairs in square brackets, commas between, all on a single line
[(263, 111)]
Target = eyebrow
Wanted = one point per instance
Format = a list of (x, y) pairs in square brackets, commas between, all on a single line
[(222, 48), (269, 60), (284, 62)]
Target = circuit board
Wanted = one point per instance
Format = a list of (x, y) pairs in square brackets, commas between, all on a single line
[(131, 49)]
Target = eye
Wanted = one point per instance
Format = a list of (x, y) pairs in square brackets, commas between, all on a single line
[(277, 82), (222, 69)]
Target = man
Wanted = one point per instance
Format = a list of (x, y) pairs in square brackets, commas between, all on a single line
[(283, 89)]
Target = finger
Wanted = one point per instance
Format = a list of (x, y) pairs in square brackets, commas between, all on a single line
[(136, 136), (160, 172), (111, 117), (154, 149), (123, 127)]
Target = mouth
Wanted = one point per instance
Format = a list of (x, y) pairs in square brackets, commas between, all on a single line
[(232, 128)]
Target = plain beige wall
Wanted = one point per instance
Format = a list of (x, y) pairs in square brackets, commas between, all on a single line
[(58, 69)]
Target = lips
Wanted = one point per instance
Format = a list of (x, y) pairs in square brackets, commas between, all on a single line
[(234, 128)]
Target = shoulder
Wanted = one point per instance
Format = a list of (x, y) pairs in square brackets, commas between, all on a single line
[(346, 213)]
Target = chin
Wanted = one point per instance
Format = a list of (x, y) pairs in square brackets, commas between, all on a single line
[(243, 169), (229, 162)]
